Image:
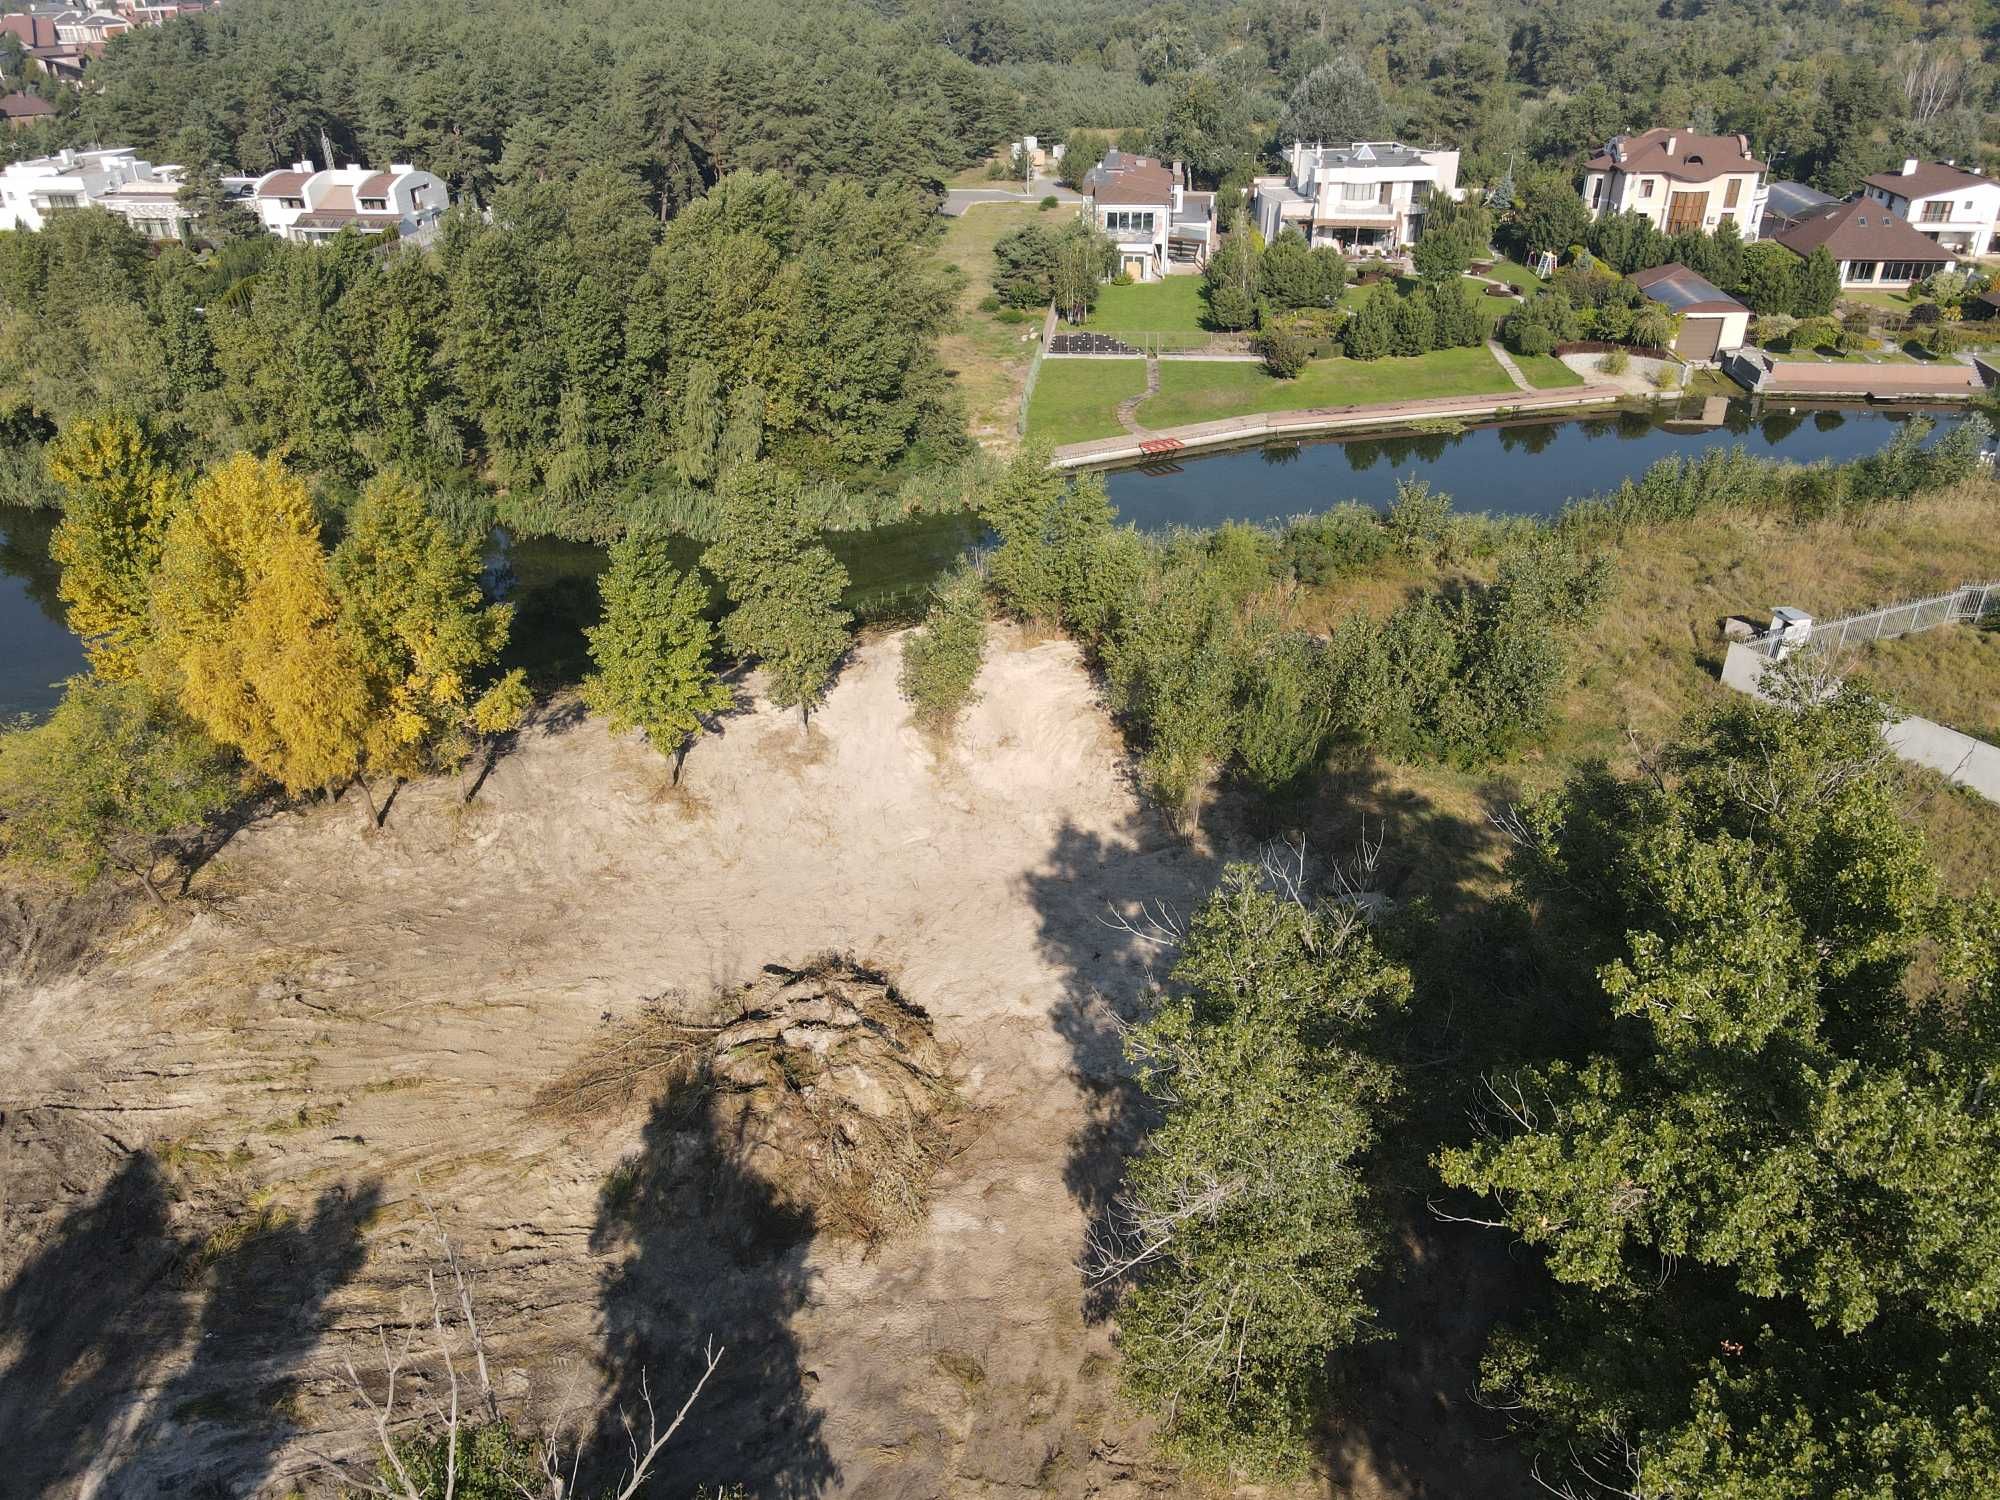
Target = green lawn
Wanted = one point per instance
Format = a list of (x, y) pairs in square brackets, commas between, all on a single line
[(1201, 391), (1172, 305), (986, 355), (1545, 372), (1075, 399), (1516, 275), (1900, 302)]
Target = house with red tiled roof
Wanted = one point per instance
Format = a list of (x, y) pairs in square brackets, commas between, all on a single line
[(1959, 210), (1158, 226), (1678, 179), (1872, 246), (23, 109), (305, 202)]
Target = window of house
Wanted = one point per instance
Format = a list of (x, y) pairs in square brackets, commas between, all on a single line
[(1936, 213), (63, 200), (1596, 191), (293, 202), (1733, 194), (1129, 221), (1910, 270), (1357, 192), (1645, 187), (374, 205), (1861, 270)]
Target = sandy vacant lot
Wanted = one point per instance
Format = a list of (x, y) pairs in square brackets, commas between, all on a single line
[(221, 1141)]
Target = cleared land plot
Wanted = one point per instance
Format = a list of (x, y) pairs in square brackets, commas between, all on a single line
[(1076, 400), (989, 356), (1199, 391)]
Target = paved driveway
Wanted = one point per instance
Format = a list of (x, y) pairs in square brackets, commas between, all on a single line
[(958, 200)]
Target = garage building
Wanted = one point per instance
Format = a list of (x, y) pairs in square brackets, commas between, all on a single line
[(1712, 321)]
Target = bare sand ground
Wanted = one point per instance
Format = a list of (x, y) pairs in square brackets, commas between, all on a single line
[(220, 1141)]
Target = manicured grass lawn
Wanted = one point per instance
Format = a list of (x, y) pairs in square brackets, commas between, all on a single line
[(1900, 302), (1201, 391), (1517, 275), (1076, 399), (1173, 305), (1545, 372)]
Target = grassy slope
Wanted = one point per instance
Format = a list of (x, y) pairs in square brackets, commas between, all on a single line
[(1196, 391), (1174, 305), (1653, 661), (1545, 372), (989, 358), (1075, 399), (1951, 675)]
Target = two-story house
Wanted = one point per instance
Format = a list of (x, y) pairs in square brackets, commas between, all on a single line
[(305, 202), (1678, 180), (1361, 197), (1158, 226), (1958, 209), (32, 190)]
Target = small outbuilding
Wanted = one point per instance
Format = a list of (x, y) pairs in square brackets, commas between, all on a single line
[(1712, 321)]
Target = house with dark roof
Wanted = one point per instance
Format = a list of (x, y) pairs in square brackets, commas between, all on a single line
[(1678, 179), (306, 202), (1362, 197), (1712, 321), (1957, 209), (1158, 225), (1872, 246), (23, 109)]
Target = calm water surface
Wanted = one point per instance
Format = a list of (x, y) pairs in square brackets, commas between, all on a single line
[(1527, 469), (1521, 469)]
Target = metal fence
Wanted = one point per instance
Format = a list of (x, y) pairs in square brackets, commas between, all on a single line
[(1972, 601)]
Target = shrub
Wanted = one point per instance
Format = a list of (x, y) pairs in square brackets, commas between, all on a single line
[(1123, 278), (1285, 349), (1614, 362), (1321, 548), (990, 303), (1418, 520), (941, 661), (1048, 203), (1667, 377), (1533, 338)]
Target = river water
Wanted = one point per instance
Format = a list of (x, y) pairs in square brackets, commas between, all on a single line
[(1514, 469)]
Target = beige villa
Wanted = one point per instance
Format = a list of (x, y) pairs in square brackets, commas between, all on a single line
[(1679, 180)]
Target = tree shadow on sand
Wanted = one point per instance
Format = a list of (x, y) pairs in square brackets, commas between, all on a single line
[(706, 1253), (95, 1318)]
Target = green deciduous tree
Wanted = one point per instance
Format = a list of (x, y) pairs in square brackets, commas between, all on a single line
[(1243, 1212), (1788, 1036), (1336, 104), (654, 649), (941, 661), (784, 583), (1770, 278), (111, 780)]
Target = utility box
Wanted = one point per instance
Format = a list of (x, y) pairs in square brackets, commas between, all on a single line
[(1791, 627)]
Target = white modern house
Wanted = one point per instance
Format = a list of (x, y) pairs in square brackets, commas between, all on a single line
[(1679, 179), (32, 190), (1146, 209), (1960, 210), (1368, 196), (308, 203)]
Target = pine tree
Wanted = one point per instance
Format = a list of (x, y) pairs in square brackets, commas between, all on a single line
[(120, 494), (1371, 331), (1819, 285), (1416, 327), (654, 649), (784, 583)]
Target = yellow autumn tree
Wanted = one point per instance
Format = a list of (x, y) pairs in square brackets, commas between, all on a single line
[(408, 587), (250, 633), (119, 494)]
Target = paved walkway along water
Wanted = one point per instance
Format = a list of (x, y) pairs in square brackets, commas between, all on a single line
[(1128, 409), (1230, 431)]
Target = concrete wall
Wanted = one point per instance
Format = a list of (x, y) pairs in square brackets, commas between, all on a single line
[(1958, 757)]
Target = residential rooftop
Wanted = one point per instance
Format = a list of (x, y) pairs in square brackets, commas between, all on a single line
[(1926, 179), (1860, 229), (1679, 155), (1685, 291)]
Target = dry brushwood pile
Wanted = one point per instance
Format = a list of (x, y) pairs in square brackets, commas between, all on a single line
[(823, 1083)]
